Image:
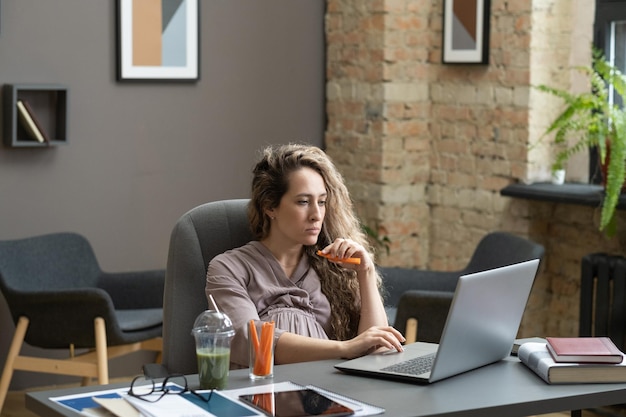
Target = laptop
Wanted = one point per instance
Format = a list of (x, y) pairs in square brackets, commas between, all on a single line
[(480, 329)]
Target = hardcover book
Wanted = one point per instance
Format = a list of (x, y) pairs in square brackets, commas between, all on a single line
[(537, 358), (584, 349), (30, 122)]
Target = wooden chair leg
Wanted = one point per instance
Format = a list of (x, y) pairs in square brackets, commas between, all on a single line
[(14, 351), (410, 333), (101, 351)]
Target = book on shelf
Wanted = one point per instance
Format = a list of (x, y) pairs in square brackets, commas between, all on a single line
[(29, 121), (537, 358), (584, 349)]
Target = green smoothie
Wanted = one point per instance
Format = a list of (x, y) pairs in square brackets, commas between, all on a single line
[(213, 365)]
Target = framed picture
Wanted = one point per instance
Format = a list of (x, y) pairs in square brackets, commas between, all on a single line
[(158, 40), (466, 31)]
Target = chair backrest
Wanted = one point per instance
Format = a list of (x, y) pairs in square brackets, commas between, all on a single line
[(498, 249), (198, 236), (47, 262)]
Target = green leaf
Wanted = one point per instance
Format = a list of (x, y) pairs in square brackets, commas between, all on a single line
[(616, 171), (590, 119)]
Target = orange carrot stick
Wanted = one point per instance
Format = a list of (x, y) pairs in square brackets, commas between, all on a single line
[(355, 261), (268, 328), (254, 337), (258, 359)]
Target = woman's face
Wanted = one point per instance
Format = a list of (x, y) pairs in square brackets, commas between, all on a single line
[(300, 214)]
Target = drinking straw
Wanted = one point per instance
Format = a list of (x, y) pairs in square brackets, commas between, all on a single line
[(214, 303)]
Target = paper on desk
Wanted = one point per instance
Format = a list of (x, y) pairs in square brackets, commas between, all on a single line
[(188, 405), (118, 407), (167, 406), (360, 408), (91, 404), (86, 405)]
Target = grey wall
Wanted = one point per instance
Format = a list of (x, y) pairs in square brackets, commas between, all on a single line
[(140, 155)]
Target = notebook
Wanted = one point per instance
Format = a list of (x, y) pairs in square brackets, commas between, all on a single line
[(480, 329)]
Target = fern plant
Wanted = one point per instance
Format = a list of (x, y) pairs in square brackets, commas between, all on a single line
[(591, 120)]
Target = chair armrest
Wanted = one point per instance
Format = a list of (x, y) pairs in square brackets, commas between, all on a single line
[(430, 308), (134, 290), (61, 317)]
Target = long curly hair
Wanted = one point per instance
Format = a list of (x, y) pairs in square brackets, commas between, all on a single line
[(270, 183)]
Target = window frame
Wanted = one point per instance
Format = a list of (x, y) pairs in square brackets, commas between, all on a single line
[(607, 11)]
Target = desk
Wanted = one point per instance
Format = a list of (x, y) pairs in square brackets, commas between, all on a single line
[(506, 388)]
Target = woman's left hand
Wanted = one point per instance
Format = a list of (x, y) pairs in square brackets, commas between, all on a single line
[(347, 248)]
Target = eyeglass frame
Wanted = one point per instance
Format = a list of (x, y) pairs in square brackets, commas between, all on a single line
[(164, 389)]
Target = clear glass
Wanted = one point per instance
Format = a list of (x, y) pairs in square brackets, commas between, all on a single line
[(262, 356)]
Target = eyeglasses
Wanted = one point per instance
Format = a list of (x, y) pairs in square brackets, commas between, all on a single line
[(143, 388)]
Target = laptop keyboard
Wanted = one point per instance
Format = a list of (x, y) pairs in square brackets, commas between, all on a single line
[(415, 366)]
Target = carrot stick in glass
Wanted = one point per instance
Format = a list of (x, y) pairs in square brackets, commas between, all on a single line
[(268, 329), (254, 337)]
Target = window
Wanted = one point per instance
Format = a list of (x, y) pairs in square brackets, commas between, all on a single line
[(610, 37)]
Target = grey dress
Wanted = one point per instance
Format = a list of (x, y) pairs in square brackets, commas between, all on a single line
[(248, 283)]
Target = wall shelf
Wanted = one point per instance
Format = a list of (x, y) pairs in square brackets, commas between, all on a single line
[(48, 104), (568, 193)]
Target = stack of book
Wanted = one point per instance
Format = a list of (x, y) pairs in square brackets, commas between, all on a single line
[(573, 360)]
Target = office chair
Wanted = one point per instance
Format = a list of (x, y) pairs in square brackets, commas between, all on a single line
[(198, 236), (423, 297), (59, 298)]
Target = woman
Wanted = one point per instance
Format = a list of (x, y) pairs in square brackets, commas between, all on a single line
[(322, 309)]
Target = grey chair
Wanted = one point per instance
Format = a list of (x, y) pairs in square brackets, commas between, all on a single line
[(198, 236), (426, 295), (59, 298)]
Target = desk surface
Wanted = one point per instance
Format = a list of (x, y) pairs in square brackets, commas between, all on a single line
[(506, 388)]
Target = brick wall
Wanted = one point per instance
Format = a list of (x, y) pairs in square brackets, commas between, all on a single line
[(426, 147)]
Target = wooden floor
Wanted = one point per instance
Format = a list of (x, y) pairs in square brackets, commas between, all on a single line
[(14, 406)]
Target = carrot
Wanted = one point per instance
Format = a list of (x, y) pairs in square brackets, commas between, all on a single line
[(254, 337), (268, 341), (354, 261)]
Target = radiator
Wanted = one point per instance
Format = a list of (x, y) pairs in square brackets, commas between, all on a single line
[(602, 297)]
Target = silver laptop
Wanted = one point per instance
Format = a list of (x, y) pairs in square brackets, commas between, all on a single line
[(480, 329)]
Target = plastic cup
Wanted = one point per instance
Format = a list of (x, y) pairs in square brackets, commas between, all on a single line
[(213, 332)]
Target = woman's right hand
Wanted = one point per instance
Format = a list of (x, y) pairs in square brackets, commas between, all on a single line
[(375, 338)]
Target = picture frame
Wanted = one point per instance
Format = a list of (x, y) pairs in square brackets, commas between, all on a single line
[(158, 40), (466, 31)]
